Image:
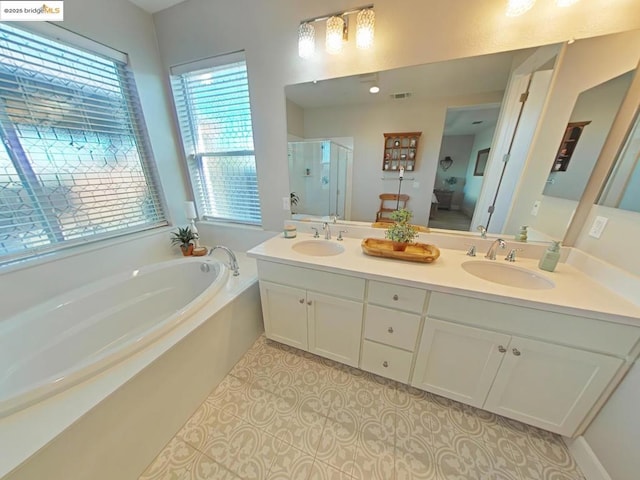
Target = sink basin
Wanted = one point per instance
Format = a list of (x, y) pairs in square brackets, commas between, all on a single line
[(507, 275), (318, 248)]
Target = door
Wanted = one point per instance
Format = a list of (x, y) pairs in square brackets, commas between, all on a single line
[(285, 314), (549, 386), (335, 328), (457, 361)]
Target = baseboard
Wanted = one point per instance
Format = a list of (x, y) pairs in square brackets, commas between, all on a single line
[(586, 459)]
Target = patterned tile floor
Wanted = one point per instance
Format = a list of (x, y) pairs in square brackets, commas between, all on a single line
[(286, 414)]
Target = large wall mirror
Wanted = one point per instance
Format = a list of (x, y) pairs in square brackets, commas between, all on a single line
[(463, 107)]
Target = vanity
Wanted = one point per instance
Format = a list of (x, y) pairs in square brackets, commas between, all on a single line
[(548, 357)]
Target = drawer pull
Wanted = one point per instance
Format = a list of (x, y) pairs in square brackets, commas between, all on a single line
[(395, 297), (385, 364), (516, 352), (301, 300), (390, 330), (309, 302), (501, 349)]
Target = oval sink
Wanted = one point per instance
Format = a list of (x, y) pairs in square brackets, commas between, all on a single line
[(507, 275), (318, 248)]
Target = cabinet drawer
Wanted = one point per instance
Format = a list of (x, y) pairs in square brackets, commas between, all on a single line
[(561, 328), (386, 361), (316, 280), (398, 329), (396, 296)]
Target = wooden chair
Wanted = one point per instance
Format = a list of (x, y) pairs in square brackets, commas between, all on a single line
[(390, 202)]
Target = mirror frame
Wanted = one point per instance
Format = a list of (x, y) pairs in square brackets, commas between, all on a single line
[(615, 141)]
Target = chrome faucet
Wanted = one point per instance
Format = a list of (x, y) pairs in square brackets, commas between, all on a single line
[(483, 231), (233, 261), (491, 253), (327, 231)]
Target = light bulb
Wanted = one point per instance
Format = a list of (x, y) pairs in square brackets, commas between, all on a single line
[(306, 40), (518, 7), (365, 24), (335, 28), (374, 89)]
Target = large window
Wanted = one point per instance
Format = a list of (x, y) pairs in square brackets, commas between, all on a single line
[(74, 160), (214, 114)]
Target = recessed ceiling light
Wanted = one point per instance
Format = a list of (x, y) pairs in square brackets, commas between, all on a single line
[(374, 89)]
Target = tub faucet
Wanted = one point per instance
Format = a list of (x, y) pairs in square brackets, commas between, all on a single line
[(327, 230), (233, 261), (491, 253)]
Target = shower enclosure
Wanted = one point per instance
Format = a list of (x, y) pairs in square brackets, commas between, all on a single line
[(319, 175)]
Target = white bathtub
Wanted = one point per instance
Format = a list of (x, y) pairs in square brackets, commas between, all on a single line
[(65, 340)]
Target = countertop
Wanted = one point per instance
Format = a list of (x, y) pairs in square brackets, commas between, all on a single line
[(574, 293)]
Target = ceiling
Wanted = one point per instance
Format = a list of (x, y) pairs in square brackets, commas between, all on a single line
[(153, 6)]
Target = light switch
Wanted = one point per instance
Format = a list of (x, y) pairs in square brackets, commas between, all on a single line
[(598, 226), (286, 203), (536, 207), (416, 184)]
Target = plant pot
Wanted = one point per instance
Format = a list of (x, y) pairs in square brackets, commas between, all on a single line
[(187, 251), (399, 246)]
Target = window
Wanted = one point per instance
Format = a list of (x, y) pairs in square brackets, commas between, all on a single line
[(74, 160), (214, 115)]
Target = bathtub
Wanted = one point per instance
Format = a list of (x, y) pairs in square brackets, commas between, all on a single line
[(63, 341)]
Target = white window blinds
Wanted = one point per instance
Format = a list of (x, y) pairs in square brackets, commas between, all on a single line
[(75, 164), (214, 115)]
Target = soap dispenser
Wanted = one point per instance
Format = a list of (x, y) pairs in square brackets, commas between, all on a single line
[(550, 258), (522, 235)]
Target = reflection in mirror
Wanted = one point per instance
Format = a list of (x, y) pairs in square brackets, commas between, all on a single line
[(623, 186), (590, 123)]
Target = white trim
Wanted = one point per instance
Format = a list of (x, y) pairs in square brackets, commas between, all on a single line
[(224, 59), (586, 459)]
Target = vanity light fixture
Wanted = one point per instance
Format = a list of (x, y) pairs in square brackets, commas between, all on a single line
[(516, 8), (337, 29)]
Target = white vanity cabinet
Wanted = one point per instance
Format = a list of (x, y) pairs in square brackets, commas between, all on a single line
[(391, 328), (543, 368), (312, 310)]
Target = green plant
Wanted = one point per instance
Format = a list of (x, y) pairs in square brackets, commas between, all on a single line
[(401, 230), (451, 181), (183, 237), (294, 198)]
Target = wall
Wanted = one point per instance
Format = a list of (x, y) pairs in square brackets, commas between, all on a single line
[(458, 147), (473, 183), (433, 31)]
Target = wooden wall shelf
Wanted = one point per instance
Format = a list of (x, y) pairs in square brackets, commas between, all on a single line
[(400, 150)]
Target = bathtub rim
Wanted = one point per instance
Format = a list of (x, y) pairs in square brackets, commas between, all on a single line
[(27, 431)]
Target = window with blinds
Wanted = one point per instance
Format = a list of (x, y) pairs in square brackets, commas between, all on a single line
[(75, 164), (214, 115)]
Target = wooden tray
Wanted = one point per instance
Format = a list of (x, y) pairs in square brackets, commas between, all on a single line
[(420, 228), (415, 252)]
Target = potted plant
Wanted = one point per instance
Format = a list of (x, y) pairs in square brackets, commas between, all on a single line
[(451, 181), (401, 233), (184, 237), (294, 200)]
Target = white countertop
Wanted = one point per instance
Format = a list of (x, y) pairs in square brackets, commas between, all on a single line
[(574, 292)]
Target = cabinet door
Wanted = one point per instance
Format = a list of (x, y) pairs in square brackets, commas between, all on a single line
[(549, 386), (285, 314), (335, 327), (457, 361)]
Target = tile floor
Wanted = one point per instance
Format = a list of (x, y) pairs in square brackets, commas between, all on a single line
[(286, 414)]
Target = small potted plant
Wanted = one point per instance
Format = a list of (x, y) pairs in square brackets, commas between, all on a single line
[(450, 182), (401, 233), (184, 237), (294, 200)]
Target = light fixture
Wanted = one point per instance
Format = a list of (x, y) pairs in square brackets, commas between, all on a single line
[(565, 3), (374, 89), (335, 34), (365, 27), (306, 40), (518, 7), (337, 29)]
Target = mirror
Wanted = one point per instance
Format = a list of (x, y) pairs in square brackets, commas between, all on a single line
[(622, 189), (427, 98)]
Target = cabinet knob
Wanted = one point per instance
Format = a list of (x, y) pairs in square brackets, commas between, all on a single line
[(385, 364), (516, 352), (301, 300), (395, 297), (501, 349), (309, 302), (390, 330)]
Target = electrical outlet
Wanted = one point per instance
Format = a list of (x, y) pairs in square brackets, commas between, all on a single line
[(286, 203), (598, 226), (536, 207)]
